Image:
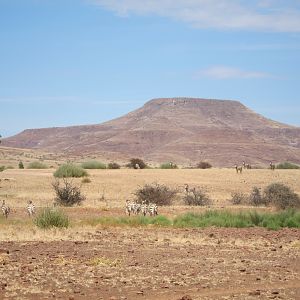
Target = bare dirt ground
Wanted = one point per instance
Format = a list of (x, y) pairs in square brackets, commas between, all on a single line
[(118, 263), (152, 263)]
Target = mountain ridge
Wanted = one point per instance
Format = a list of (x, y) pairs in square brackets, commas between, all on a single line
[(178, 129)]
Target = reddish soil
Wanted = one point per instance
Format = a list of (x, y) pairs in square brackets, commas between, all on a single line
[(155, 263)]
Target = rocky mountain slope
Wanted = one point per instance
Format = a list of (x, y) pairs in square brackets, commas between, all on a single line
[(183, 130)]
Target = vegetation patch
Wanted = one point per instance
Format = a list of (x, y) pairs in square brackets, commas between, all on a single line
[(168, 165), (2, 168), (103, 261), (93, 164), (136, 163), (287, 165), (50, 217), (159, 194), (114, 165), (275, 221), (203, 165), (37, 165), (67, 194), (70, 170), (197, 197)]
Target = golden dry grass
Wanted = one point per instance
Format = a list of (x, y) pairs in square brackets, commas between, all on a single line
[(110, 188)]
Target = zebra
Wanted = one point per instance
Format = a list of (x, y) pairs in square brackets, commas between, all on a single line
[(5, 209), (186, 188), (144, 208), (30, 208), (239, 169), (153, 209), (129, 207)]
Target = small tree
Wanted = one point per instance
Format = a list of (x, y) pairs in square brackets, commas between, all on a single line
[(203, 165), (256, 198), (281, 196), (67, 194), (114, 165), (238, 198), (21, 165), (155, 193), (197, 197), (136, 163), (70, 170)]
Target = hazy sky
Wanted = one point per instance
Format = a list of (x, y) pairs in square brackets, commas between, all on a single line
[(71, 62)]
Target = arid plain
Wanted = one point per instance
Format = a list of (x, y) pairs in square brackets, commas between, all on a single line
[(148, 262)]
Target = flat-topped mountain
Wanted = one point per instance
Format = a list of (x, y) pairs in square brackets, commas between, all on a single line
[(183, 130)]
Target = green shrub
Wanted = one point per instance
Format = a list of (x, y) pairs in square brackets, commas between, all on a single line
[(136, 163), (37, 165), (93, 164), (155, 193), (197, 197), (114, 165), (287, 165), (50, 217), (69, 170), (168, 165), (21, 165), (203, 165), (2, 168), (67, 194), (281, 196)]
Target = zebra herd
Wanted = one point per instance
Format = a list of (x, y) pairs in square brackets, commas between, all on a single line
[(134, 208), (30, 208)]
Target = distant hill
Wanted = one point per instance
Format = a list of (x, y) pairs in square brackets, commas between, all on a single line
[(182, 130)]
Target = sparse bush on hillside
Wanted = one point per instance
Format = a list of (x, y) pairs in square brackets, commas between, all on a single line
[(93, 164), (197, 197), (2, 168), (281, 196), (50, 217), (238, 198), (114, 165), (21, 165), (203, 165), (287, 165), (136, 163), (155, 193), (168, 165), (67, 194), (69, 170), (37, 165), (256, 198)]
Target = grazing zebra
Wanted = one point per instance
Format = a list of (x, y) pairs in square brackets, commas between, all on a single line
[(272, 166), (5, 209), (129, 207), (152, 209), (30, 208), (239, 169)]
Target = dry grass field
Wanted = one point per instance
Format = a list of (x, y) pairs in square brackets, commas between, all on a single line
[(149, 262)]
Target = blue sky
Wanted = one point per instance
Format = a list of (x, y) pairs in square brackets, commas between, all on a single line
[(71, 62)]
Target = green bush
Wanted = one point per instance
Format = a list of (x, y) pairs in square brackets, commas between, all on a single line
[(2, 168), (50, 217), (37, 165), (21, 165), (155, 193), (281, 196), (67, 194), (203, 165), (114, 165), (287, 165), (168, 165), (197, 198), (93, 164), (69, 170), (86, 180)]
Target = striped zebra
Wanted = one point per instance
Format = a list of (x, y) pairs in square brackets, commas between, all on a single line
[(153, 209), (5, 209), (129, 207), (30, 209), (238, 169)]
